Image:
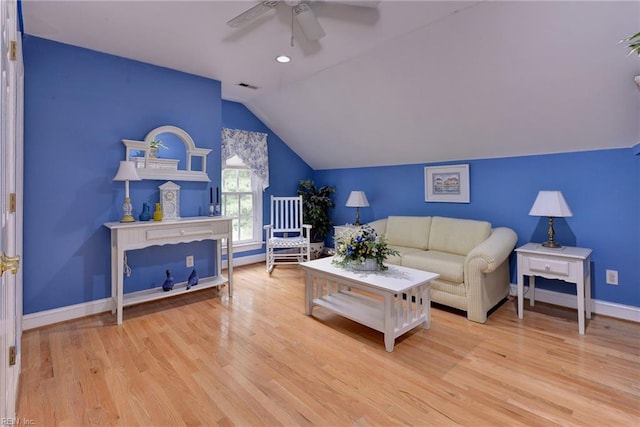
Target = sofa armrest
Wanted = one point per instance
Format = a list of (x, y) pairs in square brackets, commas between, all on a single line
[(486, 273), (492, 252)]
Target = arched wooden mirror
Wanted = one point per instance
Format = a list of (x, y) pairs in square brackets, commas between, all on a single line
[(168, 153)]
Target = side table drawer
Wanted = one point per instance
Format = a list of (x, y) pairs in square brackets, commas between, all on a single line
[(548, 266), (167, 233)]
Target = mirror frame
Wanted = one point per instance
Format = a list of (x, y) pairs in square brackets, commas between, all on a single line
[(187, 174)]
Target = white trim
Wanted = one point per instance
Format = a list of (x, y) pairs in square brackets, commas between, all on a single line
[(63, 314), (606, 308), (76, 311), (244, 247), (246, 260)]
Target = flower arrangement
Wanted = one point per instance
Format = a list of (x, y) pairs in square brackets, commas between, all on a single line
[(355, 246)]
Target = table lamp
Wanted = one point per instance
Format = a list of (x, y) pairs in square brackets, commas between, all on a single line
[(357, 199), (127, 172), (550, 204)]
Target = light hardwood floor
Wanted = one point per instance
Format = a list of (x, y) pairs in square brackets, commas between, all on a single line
[(257, 359)]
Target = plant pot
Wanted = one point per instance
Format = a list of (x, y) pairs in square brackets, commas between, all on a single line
[(368, 265), (316, 249)]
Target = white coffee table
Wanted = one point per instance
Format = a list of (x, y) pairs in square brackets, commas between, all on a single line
[(405, 304)]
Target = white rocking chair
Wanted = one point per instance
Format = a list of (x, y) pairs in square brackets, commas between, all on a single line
[(288, 239)]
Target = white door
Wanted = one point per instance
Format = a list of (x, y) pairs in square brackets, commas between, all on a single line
[(10, 207)]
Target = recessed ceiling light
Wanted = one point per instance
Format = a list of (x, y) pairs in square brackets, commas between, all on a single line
[(283, 59)]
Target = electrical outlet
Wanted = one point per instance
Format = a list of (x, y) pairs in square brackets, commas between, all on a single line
[(189, 261), (612, 277)]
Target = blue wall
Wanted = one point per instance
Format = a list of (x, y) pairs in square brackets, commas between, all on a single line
[(601, 188), (79, 105)]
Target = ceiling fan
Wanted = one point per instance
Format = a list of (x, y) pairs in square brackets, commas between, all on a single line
[(301, 10)]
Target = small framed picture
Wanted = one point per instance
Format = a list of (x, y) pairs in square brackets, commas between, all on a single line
[(446, 184)]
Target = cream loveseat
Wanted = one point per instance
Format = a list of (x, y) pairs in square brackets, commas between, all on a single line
[(471, 258)]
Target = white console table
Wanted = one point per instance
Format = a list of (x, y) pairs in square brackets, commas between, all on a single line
[(139, 235)]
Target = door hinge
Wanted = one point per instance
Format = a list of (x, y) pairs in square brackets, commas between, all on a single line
[(12, 203), (12, 355), (13, 50)]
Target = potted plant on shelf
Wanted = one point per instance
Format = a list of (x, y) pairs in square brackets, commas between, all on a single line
[(154, 146), (316, 203), (633, 43)]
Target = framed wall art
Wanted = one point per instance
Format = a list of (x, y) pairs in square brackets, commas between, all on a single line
[(446, 184)]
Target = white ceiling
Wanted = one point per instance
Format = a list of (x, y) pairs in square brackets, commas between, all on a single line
[(408, 82)]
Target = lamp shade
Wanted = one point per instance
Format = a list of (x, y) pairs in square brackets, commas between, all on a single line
[(550, 203), (126, 172), (357, 199)]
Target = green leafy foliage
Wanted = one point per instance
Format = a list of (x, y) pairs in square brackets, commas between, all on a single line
[(633, 43), (316, 205)]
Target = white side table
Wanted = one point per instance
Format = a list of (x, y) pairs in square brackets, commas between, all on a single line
[(567, 263)]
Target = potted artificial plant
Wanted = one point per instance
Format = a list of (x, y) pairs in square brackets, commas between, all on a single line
[(316, 203), (154, 146), (633, 43)]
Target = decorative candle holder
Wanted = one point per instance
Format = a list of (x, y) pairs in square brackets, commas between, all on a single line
[(212, 208), (217, 210), (157, 215)]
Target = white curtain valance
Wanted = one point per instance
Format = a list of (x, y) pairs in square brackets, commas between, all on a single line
[(251, 148)]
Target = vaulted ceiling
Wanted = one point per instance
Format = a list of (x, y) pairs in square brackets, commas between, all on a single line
[(406, 82)]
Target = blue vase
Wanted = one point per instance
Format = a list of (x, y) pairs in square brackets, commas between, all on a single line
[(192, 280), (146, 213), (168, 284)]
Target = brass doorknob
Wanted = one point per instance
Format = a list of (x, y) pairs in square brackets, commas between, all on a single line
[(10, 263)]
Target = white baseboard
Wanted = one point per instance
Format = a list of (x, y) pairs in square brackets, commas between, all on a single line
[(612, 309), (245, 260), (62, 314)]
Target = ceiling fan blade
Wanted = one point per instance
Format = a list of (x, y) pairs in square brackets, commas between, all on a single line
[(308, 22), (251, 14), (362, 3)]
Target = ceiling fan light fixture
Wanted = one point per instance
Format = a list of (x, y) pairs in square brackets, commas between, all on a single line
[(283, 59), (308, 22)]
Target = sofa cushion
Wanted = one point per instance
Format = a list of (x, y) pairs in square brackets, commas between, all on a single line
[(408, 231), (457, 236), (450, 267), (404, 251)]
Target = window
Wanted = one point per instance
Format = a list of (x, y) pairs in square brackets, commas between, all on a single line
[(242, 200)]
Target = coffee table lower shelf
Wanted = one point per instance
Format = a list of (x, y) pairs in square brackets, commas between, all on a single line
[(359, 308), (392, 302)]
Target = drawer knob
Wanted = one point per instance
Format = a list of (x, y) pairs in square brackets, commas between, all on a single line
[(547, 268), (182, 232)]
